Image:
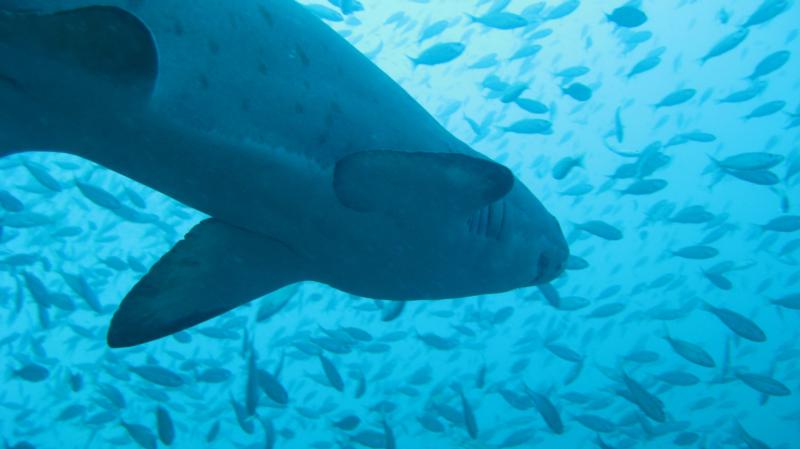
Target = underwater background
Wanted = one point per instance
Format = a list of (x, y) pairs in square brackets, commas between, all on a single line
[(668, 147)]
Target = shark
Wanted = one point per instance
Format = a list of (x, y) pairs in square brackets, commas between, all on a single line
[(311, 163)]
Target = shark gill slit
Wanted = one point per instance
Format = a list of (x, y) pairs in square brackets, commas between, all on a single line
[(482, 222), (488, 229), (502, 221)]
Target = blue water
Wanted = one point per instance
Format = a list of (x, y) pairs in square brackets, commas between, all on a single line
[(604, 367)]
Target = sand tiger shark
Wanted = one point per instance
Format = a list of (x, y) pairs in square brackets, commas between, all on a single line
[(311, 162)]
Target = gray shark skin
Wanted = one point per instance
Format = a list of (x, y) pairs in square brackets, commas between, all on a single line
[(312, 163)]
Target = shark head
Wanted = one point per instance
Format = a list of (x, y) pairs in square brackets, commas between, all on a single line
[(463, 225), (525, 245), (535, 238)]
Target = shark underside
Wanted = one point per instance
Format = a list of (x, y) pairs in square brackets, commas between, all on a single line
[(311, 162)]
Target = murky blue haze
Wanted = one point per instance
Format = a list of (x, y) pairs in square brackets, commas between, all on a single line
[(672, 212)]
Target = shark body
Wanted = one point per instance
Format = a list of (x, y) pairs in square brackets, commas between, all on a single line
[(312, 163)]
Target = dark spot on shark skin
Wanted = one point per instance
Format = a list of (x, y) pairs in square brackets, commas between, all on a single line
[(329, 118), (262, 67), (303, 57), (333, 110), (13, 83), (298, 108), (213, 47), (178, 28), (266, 15), (234, 21), (245, 105), (203, 82)]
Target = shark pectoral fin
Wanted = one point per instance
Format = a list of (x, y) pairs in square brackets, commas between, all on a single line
[(403, 183), (97, 42), (214, 269)]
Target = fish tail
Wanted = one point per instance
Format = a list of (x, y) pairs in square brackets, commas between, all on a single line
[(707, 306), (717, 179), (91, 437), (771, 301), (665, 332), (739, 429)]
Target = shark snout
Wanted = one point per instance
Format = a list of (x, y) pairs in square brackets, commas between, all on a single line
[(552, 258)]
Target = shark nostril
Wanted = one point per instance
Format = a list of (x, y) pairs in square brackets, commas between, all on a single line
[(542, 266)]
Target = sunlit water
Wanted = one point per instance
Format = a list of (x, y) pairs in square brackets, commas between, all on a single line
[(500, 350)]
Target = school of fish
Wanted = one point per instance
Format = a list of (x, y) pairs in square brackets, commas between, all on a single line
[(664, 135)]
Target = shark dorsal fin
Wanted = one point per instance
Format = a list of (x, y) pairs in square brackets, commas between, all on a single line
[(102, 41)]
